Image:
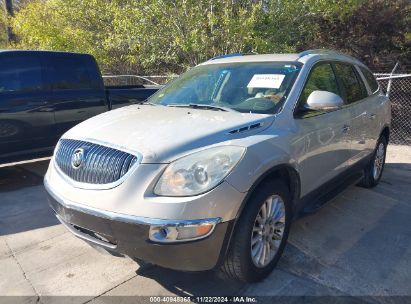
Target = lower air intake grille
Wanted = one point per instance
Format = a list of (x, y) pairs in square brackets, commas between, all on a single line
[(91, 163)]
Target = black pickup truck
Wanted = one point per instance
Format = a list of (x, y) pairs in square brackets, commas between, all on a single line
[(43, 94)]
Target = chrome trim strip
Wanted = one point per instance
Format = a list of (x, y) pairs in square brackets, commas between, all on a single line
[(23, 162), (108, 145), (131, 219)]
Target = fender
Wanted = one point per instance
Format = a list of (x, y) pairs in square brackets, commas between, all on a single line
[(259, 159), (294, 183)]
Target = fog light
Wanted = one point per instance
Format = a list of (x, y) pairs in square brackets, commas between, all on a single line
[(187, 233), (182, 231)]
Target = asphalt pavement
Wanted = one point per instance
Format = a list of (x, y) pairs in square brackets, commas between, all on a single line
[(357, 246)]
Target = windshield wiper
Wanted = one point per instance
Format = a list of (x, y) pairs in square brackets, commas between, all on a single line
[(144, 102), (201, 106)]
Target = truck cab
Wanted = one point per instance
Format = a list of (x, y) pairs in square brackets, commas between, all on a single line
[(43, 94)]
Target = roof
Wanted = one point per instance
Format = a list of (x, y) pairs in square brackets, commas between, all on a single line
[(253, 58), (292, 57), (37, 51)]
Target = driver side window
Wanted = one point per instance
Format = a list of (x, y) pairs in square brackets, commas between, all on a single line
[(321, 78)]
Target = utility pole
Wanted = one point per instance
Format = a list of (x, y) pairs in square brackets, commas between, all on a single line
[(10, 13)]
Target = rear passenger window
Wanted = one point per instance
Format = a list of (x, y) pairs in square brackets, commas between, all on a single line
[(321, 78), (68, 72), (372, 82), (352, 90), (19, 73)]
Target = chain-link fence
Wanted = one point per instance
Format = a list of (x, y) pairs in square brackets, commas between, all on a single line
[(400, 96)]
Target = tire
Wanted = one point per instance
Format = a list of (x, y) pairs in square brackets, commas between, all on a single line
[(239, 263), (371, 177)]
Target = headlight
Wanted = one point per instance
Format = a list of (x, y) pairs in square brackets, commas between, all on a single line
[(198, 172)]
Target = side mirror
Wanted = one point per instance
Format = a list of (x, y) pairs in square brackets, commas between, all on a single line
[(324, 101)]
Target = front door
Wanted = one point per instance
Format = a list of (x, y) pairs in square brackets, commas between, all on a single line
[(325, 134), (26, 119), (78, 93)]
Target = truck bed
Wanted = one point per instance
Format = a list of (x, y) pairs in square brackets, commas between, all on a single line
[(120, 96)]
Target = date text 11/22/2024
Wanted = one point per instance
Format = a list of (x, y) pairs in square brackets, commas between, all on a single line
[(199, 299)]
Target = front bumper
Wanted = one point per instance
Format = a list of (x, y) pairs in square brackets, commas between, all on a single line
[(130, 236)]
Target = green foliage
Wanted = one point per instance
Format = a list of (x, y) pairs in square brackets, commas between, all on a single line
[(67, 25), (288, 24), (146, 36), (138, 35), (179, 34), (377, 31)]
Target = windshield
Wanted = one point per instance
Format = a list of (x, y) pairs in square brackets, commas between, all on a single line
[(257, 87)]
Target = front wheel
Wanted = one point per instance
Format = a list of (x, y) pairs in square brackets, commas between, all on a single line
[(261, 233), (373, 171)]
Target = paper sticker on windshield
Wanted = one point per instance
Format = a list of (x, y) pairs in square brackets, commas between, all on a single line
[(272, 81)]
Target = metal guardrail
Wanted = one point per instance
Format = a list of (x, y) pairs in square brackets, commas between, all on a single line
[(143, 78), (113, 80), (392, 76)]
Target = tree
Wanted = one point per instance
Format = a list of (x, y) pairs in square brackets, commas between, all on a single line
[(162, 36), (288, 25), (179, 34), (378, 32), (3, 25), (128, 35), (10, 13)]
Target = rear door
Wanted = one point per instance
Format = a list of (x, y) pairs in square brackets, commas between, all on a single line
[(78, 91), (327, 145), (375, 108), (26, 118), (355, 95)]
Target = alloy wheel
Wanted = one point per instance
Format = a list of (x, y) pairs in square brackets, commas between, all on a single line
[(379, 161), (268, 231)]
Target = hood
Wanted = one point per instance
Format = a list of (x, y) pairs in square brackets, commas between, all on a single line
[(161, 134)]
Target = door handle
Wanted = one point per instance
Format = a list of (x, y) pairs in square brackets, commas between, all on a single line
[(345, 128), (372, 116)]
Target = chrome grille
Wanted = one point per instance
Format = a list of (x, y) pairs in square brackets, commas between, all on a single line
[(100, 165)]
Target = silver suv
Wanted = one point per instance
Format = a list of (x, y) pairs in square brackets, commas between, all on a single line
[(211, 170)]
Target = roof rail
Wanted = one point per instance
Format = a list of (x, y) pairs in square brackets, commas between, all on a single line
[(226, 56), (323, 51)]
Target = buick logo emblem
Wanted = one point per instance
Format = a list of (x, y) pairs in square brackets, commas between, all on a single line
[(77, 158)]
